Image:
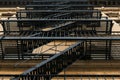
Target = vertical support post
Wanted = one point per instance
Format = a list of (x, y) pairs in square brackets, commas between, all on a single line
[(98, 16), (22, 47), (110, 25), (20, 15), (18, 48), (17, 14), (106, 53), (107, 27), (4, 29), (86, 49), (110, 45), (8, 26), (19, 24), (1, 51), (90, 49)]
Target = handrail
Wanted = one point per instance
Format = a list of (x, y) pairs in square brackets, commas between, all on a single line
[(30, 11), (49, 60), (55, 56)]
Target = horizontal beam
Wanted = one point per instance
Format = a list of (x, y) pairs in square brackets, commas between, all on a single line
[(63, 38), (57, 11), (58, 0), (82, 5), (54, 19), (80, 75)]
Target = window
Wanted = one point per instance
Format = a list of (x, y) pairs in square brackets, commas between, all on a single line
[(1, 3), (10, 3)]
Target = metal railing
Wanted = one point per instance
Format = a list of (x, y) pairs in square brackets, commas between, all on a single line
[(55, 64)]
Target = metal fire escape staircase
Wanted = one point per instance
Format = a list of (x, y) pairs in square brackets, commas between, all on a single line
[(58, 62), (55, 64)]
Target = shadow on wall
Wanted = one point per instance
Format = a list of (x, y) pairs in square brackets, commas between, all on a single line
[(1, 29)]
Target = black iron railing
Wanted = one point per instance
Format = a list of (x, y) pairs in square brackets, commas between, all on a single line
[(55, 64)]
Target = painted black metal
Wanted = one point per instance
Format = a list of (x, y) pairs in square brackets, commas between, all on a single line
[(70, 76), (83, 5), (54, 19), (54, 64), (60, 12), (30, 11)]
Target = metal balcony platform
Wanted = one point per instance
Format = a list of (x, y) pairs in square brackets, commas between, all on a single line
[(83, 5), (32, 11), (57, 19), (56, 0), (62, 35)]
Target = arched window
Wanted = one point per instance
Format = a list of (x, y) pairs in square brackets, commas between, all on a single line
[(118, 2), (109, 2), (27, 2), (19, 3), (91, 2), (1, 3), (95, 2), (113, 2), (5, 3), (23, 3), (10, 3), (14, 3)]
